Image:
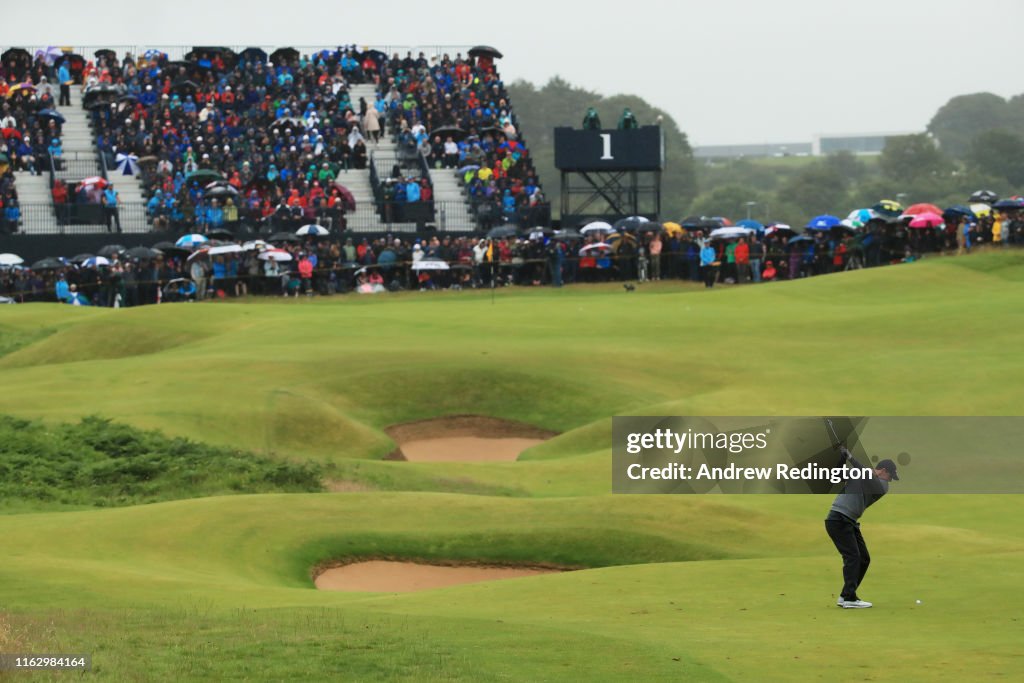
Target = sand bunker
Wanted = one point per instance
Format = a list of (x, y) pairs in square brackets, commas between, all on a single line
[(464, 438), (403, 577)]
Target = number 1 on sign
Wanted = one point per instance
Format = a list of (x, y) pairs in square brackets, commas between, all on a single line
[(607, 146)]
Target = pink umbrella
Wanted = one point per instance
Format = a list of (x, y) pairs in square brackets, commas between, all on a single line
[(927, 220)]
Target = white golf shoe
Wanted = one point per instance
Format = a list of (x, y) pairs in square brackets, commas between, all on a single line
[(854, 604)]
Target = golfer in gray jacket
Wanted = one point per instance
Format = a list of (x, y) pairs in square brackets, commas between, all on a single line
[(844, 528)]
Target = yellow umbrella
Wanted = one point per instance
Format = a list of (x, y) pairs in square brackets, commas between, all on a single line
[(981, 209), (673, 228)]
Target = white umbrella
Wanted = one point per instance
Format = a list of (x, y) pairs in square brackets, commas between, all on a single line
[(11, 260), (127, 164), (225, 249), (275, 255), (430, 265), (255, 244), (597, 226), (95, 261), (730, 232), (592, 247), (7, 300), (317, 230)]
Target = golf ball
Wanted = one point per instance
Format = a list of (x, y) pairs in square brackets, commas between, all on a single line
[(919, 602)]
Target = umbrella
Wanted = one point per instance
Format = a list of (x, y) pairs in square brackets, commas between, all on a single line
[(283, 237), (673, 228), (225, 249), (618, 239), (918, 209), (780, 228), (454, 132), (469, 167), (430, 264), (47, 264), (596, 226), (286, 122), (314, 230), (166, 246), (184, 86), (11, 260), (650, 226), (221, 232), (93, 181), (730, 232), (750, 223), (823, 222), (111, 250), (848, 224), (50, 54), (203, 175), (597, 246), (143, 253), (567, 234), (1008, 204), (100, 92), (275, 255), (507, 230), (51, 114), (253, 54), (191, 241), (629, 224), (346, 195), (980, 209), (927, 220), (284, 54), (127, 164), (800, 238), (95, 262), (958, 210), (220, 191), (485, 51), (16, 53), (105, 52), (701, 223), (862, 216), (154, 54), (376, 55), (983, 197), (888, 207), (258, 245), (20, 87)]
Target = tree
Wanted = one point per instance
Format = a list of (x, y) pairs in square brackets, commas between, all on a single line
[(908, 157), (731, 201), (1000, 153), (817, 189), (961, 119)]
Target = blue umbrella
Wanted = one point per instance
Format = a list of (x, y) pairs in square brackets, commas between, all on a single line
[(1009, 204), (958, 210), (800, 238), (127, 164), (191, 241), (750, 223), (95, 262), (51, 114), (823, 222)]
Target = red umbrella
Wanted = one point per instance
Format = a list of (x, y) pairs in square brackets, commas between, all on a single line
[(918, 209), (927, 220), (94, 181), (346, 195)]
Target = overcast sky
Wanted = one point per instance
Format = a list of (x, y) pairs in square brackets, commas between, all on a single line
[(728, 71)]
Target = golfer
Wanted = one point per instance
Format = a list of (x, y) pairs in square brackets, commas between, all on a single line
[(843, 526)]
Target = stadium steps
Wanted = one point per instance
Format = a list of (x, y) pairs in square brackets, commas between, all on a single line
[(453, 212), (35, 199)]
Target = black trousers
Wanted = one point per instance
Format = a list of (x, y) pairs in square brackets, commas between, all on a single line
[(850, 544)]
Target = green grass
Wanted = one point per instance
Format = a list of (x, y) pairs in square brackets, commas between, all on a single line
[(717, 588)]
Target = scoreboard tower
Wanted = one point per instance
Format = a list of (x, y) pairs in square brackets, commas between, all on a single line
[(608, 174)]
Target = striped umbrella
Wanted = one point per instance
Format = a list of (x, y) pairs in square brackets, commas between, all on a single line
[(191, 241)]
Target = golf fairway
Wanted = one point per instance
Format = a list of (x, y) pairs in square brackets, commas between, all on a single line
[(708, 588)]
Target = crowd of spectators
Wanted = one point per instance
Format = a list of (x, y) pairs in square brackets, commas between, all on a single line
[(266, 138), (456, 112)]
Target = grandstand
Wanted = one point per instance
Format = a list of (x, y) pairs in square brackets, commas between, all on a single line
[(196, 139)]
